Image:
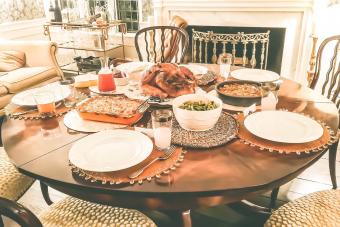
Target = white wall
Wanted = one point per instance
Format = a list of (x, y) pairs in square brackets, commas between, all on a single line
[(23, 30)]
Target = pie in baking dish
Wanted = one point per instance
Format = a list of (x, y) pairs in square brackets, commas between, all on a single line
[(113, 109)]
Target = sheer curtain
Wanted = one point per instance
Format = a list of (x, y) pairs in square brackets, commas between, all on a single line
[(17, 10)]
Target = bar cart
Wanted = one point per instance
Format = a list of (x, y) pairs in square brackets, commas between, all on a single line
[(86, 38)]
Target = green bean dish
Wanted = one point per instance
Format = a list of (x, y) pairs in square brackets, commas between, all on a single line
[(198, 105)]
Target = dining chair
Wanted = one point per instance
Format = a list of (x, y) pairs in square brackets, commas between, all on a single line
[(243, 47), (326, 79), (72, 212), (313, 210), (161, 44), (12, 184)]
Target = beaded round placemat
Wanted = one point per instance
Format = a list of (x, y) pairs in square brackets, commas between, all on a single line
[(154, 171), (320, 144), (24, 113), (224, 131), (31, 113)]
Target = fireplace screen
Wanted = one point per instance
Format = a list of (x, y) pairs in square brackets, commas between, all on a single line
[(251, 47)]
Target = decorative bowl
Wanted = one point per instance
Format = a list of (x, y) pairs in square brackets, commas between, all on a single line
[(193, 120)]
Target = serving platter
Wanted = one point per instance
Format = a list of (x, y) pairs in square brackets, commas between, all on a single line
[(134, 67), (110, 150), (73, 121), (120, 90), (283, 127), (196, 69), (255, 75)]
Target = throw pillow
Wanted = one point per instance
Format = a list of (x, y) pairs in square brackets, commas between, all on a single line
[(11, 60)]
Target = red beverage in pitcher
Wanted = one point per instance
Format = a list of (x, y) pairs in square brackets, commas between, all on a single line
[(105, 80)]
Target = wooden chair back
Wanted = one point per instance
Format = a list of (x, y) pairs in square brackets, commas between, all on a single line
[(161, 44), (330, 81)]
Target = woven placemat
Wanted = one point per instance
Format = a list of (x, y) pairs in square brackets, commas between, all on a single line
[(224, 131), (321, 144), (119, 177)]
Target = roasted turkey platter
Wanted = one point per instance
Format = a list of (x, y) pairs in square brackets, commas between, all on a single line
[(168, 80)]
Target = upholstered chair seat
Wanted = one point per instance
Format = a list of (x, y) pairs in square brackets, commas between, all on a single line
[(12, 184), (319, 209), (75, 212)]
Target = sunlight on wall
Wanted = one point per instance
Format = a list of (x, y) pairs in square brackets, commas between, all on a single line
[(327, 19)]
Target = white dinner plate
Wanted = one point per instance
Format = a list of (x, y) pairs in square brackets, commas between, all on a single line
[(134, 67), (256, 75), (119, 90), (110, 150), (197, 69), (26, 98), (73, 121), (283, 127)]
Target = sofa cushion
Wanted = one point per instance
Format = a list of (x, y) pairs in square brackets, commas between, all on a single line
[(4, 100), (3, 90), (23, 78), (11, 60)]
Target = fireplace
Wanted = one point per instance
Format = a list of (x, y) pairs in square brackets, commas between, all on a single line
[(275, 47), (293, 16)]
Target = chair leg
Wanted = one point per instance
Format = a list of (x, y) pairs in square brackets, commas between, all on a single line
[(273, 197), (332, 163), (44, 191), (1, 222)]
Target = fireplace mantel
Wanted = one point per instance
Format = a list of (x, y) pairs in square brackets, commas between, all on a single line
[(294, 15)]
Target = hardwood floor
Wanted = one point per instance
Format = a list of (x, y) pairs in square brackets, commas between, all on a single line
[(315, 178)]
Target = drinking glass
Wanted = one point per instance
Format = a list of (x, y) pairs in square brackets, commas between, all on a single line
[(45, 102), (162, 124), (68, 83), (269, 98), (225, 64)]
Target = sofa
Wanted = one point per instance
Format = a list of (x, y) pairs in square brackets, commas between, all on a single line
[(40, 68)]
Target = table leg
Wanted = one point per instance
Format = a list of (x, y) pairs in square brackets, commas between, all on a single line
[(186, 218), (181, 218), (273, 197)]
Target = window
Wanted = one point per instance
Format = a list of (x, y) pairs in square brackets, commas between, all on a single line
[(128, 12), (21, 10)]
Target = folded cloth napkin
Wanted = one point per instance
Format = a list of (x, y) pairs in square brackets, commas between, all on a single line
[(86, 80)]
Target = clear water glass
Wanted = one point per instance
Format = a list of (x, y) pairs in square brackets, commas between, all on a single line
[(45, 102), (162, 125), (68, 83), (225, 64), (269, 98)]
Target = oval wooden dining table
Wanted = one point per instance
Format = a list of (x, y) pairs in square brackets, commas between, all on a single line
[(210, 177)]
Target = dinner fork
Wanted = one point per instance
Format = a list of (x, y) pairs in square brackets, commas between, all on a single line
[(167, 154)]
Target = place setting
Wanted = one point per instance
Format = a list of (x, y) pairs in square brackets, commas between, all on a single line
[(52, 100), (284, 132), (127, 156)]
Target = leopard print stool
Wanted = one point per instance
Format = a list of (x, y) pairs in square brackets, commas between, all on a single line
[(72, 212), (319, 209), (12, 184)]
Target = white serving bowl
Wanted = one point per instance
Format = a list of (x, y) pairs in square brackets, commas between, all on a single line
[(196, 120)]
